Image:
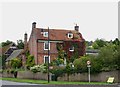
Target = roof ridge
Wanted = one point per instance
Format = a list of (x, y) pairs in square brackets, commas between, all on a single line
[(57, 29)]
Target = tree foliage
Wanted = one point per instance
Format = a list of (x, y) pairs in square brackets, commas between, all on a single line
[(2, 61), (98, 43), (6, 43), (30, 62), (16, 63), (20, 44)]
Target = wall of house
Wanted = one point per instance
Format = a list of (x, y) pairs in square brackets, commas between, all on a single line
[(53, 48), (41, 52), (80, 47), (32, 45), (41, 57)]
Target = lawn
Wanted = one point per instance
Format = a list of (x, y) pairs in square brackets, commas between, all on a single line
[(46, 82)]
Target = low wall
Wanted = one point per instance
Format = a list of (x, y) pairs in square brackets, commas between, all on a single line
[(9, 75), (31, 75), (101, 77)]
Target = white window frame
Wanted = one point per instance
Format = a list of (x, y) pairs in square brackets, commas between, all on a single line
[(45, 34), (71, 50), (46, 56), (70, 34), (45, 45)]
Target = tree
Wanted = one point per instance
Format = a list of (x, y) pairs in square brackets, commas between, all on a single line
[(117, 57), (107, 56), (81, 64), (2, 61), (6, 43), (98, 43), (116, 41), (20, 44), (16, 63), (30, 62)]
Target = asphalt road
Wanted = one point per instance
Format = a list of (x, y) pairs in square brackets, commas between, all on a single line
[(17, 84)]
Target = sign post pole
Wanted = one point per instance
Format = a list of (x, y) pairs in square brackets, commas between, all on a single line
[(88, 65)]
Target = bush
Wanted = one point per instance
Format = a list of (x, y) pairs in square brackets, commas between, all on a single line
[(38, 68), (16, 63), (57, 72), (81, 64), (30, 62), (1, 70)]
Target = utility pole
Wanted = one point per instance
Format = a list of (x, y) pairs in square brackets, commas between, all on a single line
[(48, 56)]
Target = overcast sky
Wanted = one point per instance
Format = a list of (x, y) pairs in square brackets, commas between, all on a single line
[(96, 19)]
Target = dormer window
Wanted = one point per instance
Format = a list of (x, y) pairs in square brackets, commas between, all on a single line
[(13, 47), (70, 35), (71, 48), (45, 34)]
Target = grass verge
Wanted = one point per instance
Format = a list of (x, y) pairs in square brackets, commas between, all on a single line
[(51, 82)]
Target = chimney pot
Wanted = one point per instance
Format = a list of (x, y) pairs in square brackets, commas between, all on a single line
[(25, 41), (76, 27), (34, 25)]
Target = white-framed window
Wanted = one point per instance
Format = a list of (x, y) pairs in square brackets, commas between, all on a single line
[(71, 48), (70, 35), (45, 34), (14, 47), (46, 59), (46, 46)]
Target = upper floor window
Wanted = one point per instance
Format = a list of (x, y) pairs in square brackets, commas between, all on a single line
[(70, 35), (46, 46), (46, 59), (45, 34)]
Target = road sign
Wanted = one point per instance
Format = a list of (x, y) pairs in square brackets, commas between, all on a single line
[(88, 62), (110, 80), (88, 65)]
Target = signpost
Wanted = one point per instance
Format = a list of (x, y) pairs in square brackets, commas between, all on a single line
[(110, 80), (88, 65)]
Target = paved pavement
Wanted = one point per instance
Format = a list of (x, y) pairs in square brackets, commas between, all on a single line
[(17, 84)]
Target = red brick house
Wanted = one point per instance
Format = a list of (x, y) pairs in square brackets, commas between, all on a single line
[(38, 43)]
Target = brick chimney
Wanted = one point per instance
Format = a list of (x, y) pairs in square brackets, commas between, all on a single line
[(25, 50), (34, 25), (25, 41), (76, 27)]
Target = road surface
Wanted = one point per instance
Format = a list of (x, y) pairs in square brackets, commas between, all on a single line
[(18, 84)]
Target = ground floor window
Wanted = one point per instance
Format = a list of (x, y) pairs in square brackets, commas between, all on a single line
[(46, 59)]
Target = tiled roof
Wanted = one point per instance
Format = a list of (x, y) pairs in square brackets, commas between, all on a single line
[(57, 34), (4, 49), (14, 54)]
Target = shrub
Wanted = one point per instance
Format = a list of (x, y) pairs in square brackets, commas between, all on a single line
[(30, 62), (58, 71), (81, 64), (1, 70), (38, 68), (16, 63)]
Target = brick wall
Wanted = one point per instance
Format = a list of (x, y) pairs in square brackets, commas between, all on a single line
[(101, 77), (31, 75), (41, 52)]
